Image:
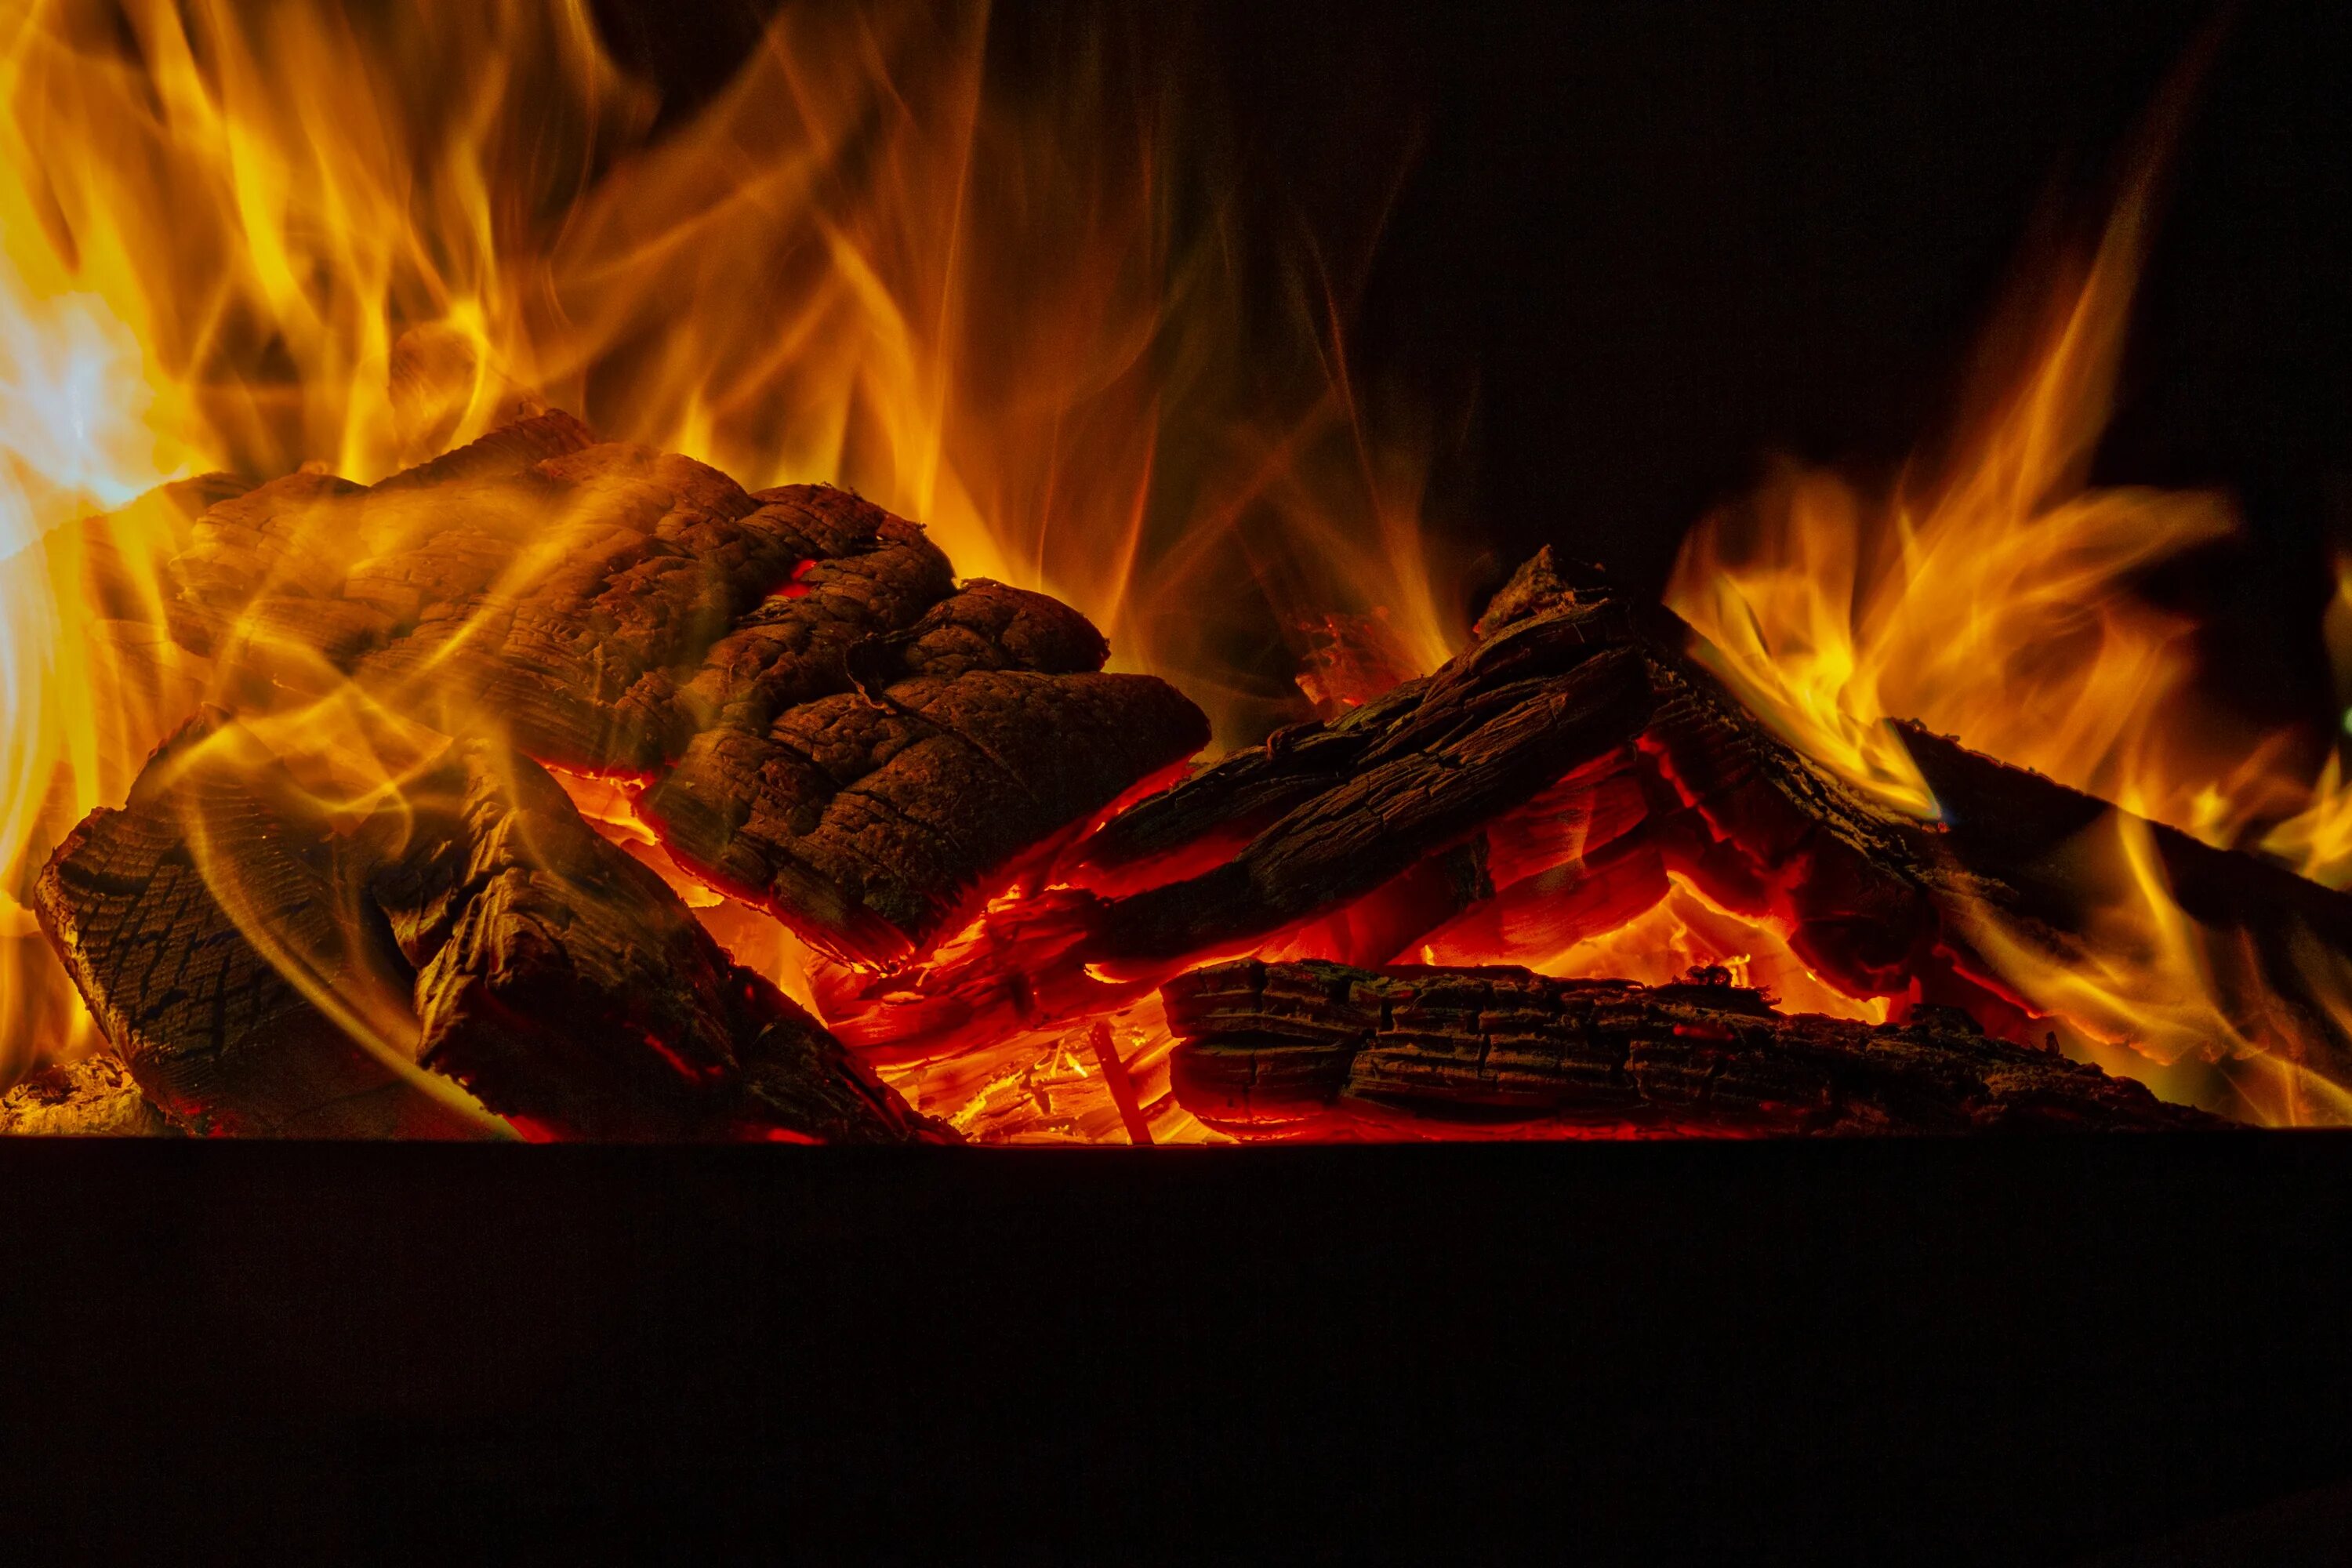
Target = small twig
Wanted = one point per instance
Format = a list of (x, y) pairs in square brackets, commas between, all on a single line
[(1122, 1087)]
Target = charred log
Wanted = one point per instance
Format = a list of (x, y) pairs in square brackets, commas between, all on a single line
[(1875, 902), (221, 1036), (1377, 826), (1883, 903), (262, 973), (1283, 1049), (822, 722), (567, 987), (2054, 864), (1383, 789)]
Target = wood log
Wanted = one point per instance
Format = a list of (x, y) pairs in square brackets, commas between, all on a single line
[(217, 1032), (820, 720), (1276, 850), (2016, 869), (1371, 830), (265, 967), (1291, 1049), (1552, 773), (1367, 803), (2274, 946)]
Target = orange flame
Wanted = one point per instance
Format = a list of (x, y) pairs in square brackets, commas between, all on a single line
[(1995, 602), (257, 238)]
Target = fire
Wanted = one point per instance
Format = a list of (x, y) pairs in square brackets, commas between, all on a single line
[(1687, 933), (253, 241), (1993, 599), (265, 241)]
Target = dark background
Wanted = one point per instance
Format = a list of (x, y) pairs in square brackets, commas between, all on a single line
[(1870, 1351), (1620, 254), (1642, 245)]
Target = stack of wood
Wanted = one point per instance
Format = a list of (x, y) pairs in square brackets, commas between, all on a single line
[(817, 720), (811, 712)]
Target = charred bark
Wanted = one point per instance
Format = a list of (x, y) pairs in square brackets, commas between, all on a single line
[(262, 973), (1685, 781), (1369, 799), (2042, 854), (1291, 1048), (821, 721)]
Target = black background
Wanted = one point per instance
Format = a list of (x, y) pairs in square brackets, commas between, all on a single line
[(1883, 1350), (1623, 253), (1642, 246)]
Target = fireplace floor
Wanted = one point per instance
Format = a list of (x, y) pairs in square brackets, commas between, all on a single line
[(2015, 1351)]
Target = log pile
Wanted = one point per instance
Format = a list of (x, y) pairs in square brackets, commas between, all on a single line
[(1542, 788), (817, 720)]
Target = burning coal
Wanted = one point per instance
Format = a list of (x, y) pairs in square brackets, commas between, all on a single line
[(539, 742)]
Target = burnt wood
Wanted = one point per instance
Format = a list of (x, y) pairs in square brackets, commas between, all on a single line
[(263, 969), (1270, 841), (1270, 1049), (1378, 824), (821, 721), (1484, 735)]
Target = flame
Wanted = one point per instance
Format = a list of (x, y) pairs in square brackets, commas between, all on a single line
[(1686, 932), (1994, 599), (259, 238)]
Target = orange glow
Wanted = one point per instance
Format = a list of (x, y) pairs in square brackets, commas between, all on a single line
[(254, 238), (285, 239), (1685, 931), (1992, 599)]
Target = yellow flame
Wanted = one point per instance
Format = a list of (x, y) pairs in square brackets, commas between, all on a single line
[(1992, 602), (1685, 930), (1993, 599), (252, 238)]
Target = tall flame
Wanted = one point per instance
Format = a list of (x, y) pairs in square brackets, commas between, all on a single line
[(256, 237), (1994, 599)]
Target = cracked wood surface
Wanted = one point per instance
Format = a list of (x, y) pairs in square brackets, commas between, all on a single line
[(819, 721), (478, 928), (1276, 1049), (1870, 900)]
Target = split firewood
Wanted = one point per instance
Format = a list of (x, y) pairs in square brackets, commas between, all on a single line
[(267, 963), (1311, 1048), (1378, 823), (2274, 948), (2016, 869), (1362, 805), (819, 721)]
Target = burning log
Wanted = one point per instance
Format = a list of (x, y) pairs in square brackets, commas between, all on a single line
[(1557, 780), (265, 965), (1358, 805), (1270, 1049), (820, 721)]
